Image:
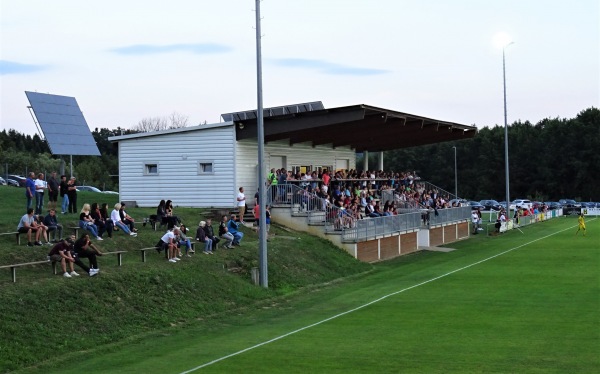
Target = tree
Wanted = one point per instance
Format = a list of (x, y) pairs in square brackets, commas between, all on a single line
[(173, 121)]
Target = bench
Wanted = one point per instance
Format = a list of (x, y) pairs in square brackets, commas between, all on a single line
[(13, 267), (143, 251), (16, 233), (75, 230)]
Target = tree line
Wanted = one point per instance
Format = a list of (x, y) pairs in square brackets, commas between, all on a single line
[(552, 159)]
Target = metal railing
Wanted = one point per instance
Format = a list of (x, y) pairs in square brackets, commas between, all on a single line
[(431, 217), (380, 226)]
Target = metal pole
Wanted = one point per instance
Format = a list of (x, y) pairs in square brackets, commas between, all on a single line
[(455, 176), (262, 193), (506, 132)]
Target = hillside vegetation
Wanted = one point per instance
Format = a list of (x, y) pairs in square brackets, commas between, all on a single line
[(46, 316)]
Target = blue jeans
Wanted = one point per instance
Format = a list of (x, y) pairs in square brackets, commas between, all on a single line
[(208, 245), (65, 203), (237, 237), (28, 202), (89, 227), (123, 227), (39, 202), (187, 243)]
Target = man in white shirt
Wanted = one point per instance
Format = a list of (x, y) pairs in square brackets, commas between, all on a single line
[(241, 203), (168, 242), (40, 187)]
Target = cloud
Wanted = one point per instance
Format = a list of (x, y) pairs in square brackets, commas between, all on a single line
[(326, 67), (147, 49), (11, 67)]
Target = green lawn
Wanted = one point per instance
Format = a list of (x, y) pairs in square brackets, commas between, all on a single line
[(517, 303)]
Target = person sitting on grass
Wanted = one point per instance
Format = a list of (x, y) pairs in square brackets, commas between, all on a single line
[(28, 225), (202, 238), (183, 240), (233, 228), (168, 243), (86, 221), (61, 252), (84, 247), (225, 234), (116, 219), (54, 227), (208, 230)]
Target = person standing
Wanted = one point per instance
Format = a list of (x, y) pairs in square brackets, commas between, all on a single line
[(30, 189), (241, 203), (272, 181), (72, 193), (40, 188), (52, 184), (581, 222), (63, 189)]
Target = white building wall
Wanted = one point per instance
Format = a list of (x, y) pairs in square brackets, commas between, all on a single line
[(178, 155), (300, 154)]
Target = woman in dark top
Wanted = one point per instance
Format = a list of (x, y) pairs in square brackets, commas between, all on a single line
[(100, 222), (86, 221), (72, 194), (172, 220), (85, 249)]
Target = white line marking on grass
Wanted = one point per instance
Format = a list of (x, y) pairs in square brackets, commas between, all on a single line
[(366, 305)]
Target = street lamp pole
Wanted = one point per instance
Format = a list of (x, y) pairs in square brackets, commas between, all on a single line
[(455, 175), (506, 130)]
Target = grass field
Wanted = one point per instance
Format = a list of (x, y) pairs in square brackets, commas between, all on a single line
[(518, 303)]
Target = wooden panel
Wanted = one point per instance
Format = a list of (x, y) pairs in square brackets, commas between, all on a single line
[(463, 229), (408, 242), (435, 236), (367, 251), (389, 247), (449, 234)]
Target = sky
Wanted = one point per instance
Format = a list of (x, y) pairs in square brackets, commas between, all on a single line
[(128, 60)]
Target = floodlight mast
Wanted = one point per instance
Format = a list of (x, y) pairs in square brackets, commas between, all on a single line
[(262, 193)]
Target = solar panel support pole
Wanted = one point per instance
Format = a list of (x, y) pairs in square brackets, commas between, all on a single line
[(37, 125), (71, 164), (262, 236)]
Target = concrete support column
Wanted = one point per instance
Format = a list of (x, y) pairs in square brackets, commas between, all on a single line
[(380, 161), (366, 160)]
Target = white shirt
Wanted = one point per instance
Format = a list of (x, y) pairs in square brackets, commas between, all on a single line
[(114, 215), (241, 199), (40, 183), (166, 238)]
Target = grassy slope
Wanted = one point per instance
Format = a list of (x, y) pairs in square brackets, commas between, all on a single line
[(532, 309), (46, 316)]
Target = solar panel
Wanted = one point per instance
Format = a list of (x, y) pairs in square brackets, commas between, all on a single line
[(63, 124), (274, 111)]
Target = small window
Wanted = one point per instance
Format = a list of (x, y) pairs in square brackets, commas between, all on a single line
[(150, 169), (205, 167)]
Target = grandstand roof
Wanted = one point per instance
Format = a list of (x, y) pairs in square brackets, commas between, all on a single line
[(362, 127)]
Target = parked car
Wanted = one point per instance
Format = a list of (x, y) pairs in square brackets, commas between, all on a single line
[(490, 205), (570, 206), (553, 205), (522, 203), (111, 192), (88, 188), (2, 182), (461, 202), (588, 205), (21, 180), (12, 182), (475, 205)]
